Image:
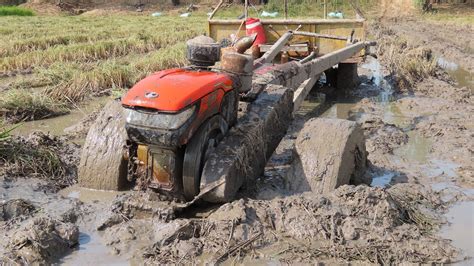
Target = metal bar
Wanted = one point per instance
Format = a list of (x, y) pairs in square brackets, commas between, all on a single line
[(215, 9), (325, 10), (309, 57), (302, 91), (246, 12), (320, 64), (291, 21), (274, 50), (286, 9), (320, 35), (292, 74)]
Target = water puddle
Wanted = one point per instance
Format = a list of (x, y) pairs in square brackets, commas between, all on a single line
[(417, 149), (92, 251), (312, 104), (440, 167), (88, 195), (462, 77), (461, 229), (57, 125), (340, 111), (382, 180)]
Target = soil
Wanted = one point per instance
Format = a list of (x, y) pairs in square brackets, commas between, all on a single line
[(419, 159)]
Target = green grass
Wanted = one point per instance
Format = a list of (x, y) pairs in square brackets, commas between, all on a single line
[(15, 11)]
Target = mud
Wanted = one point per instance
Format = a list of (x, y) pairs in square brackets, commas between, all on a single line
[(40, 155), (41, 240), (102, 165), (353, 223)]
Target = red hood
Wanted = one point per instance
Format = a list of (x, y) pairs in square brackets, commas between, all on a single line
[(175, 89)]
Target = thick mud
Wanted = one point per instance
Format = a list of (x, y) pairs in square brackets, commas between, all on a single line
[(418, 207)]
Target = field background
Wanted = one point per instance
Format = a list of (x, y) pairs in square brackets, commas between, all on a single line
[(54, 62)]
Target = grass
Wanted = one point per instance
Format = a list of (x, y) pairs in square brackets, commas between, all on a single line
[(19, 105), (73, 58), (15, 11), (5, 131), (408, 65), (36, 156), (459, 15)]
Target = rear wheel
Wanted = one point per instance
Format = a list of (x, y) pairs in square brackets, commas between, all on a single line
[(202, 144)]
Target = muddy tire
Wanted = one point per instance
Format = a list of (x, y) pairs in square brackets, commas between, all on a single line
[(201, 144), (329, 153), (102, 165)]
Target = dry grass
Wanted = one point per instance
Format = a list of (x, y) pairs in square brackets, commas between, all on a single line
[(72, 58), (17, 105), (40, 156), (407, 64), (455, 14)]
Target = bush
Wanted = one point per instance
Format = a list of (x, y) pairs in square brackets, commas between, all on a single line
[(15, 11)]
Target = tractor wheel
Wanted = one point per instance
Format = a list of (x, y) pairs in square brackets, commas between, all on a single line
[(347, 76), (102, 165), (203, 143), (328, 153)]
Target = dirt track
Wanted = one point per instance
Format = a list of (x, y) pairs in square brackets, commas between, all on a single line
[(453, 42), (422, 137)]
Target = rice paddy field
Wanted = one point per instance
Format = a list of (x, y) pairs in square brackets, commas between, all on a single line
[(48, 64)]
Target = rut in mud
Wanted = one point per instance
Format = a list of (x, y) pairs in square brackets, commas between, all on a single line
[(353, 223)]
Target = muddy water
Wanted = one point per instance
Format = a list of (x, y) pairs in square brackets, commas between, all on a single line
[(57, 125), (440, 174), (89, 195), (460, 229), (417, 151), (462, 77), (91, 249)]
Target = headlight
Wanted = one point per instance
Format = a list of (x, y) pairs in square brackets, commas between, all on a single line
[(158, 120)]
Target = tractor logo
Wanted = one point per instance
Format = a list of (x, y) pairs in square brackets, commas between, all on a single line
[(151, 95)]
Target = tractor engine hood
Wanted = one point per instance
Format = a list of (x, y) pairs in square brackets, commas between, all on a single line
[(175, 89)]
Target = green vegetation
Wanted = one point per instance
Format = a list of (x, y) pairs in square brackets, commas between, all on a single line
[(73, 58), (5, 132), (15, 11)]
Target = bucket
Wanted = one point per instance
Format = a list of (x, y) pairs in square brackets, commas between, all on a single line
[(254, 25)]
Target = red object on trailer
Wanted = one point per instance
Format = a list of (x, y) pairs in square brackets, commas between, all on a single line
[(254, 25)]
